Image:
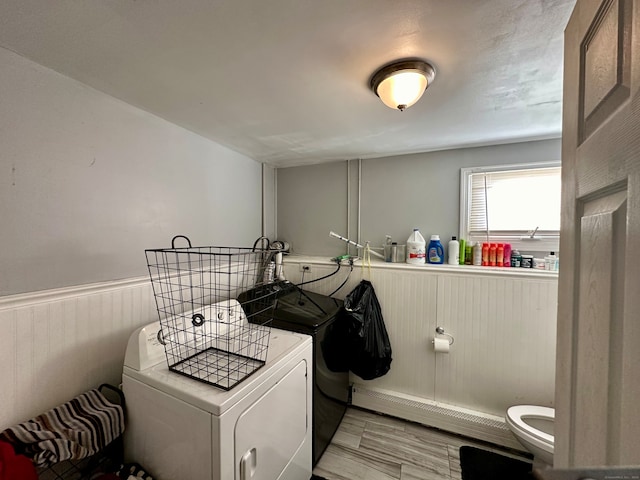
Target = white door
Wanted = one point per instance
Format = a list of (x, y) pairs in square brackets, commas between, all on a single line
[(598, 359)]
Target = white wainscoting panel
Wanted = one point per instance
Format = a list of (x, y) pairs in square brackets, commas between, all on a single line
[(505, 342), (504, 325), (59, 343), (408, 303)]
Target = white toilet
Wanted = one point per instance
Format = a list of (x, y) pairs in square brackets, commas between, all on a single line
[(533, 427)]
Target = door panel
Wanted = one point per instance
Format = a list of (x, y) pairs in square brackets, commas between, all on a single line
[(598, 359), (606, 56), (603, 237)]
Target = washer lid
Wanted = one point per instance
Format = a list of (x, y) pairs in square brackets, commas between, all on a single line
[(283, 347), (305, 310)]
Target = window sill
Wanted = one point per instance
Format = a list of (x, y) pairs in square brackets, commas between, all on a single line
[(540, 245), (434, 268)]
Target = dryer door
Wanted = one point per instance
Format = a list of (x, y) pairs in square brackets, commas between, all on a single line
[(270, 432)]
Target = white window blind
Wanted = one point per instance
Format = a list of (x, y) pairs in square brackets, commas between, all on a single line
[(512, 203)]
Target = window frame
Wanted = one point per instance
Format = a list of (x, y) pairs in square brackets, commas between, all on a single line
[(540, 243)]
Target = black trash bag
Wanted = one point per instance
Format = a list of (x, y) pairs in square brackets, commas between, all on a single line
[(370, 348)]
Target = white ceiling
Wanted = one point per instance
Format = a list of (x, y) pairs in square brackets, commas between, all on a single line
[(286, 81)]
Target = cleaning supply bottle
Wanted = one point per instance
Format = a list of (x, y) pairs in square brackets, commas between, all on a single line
[(416, 248), (454, 251), (516, 258), (435, 253), (477, 254), (279, 271), (269, 273), (507, 254), (387, 249), (550, 261), (492, 254), (485, 254), (462, 250)]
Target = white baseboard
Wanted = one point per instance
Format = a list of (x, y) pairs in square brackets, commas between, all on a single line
[(462, 421)]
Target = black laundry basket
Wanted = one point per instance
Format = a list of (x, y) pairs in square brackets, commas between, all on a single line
[(204, 328)]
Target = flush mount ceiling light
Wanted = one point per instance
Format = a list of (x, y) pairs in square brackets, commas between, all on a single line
[(401, 84)]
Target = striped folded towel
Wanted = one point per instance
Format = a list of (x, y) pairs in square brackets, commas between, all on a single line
[(74, 430)]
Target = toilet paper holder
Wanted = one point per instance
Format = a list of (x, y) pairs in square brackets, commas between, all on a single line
[(440, 331)]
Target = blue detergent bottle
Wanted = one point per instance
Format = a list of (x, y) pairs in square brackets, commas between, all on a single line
[(435, 252)]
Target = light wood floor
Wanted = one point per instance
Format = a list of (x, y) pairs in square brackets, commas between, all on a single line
[(369, 446)]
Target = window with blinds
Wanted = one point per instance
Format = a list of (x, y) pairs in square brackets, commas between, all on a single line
[(519, 204)]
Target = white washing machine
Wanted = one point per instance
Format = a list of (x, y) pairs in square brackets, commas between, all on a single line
[(183, 429)]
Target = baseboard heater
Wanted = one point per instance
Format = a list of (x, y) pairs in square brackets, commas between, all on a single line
[(462, 421)]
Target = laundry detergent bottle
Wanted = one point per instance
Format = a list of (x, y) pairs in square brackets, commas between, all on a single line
[(435, 252), (416, 248), (454, 251)]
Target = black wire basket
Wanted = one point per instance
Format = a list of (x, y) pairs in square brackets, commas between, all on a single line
[(205, 329)]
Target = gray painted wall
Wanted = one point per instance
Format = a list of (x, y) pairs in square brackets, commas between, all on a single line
[(269, 202), (312, 200), (88, 182), (396, 195)]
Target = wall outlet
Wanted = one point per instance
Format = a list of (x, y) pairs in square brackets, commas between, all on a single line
[(305, 267)]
